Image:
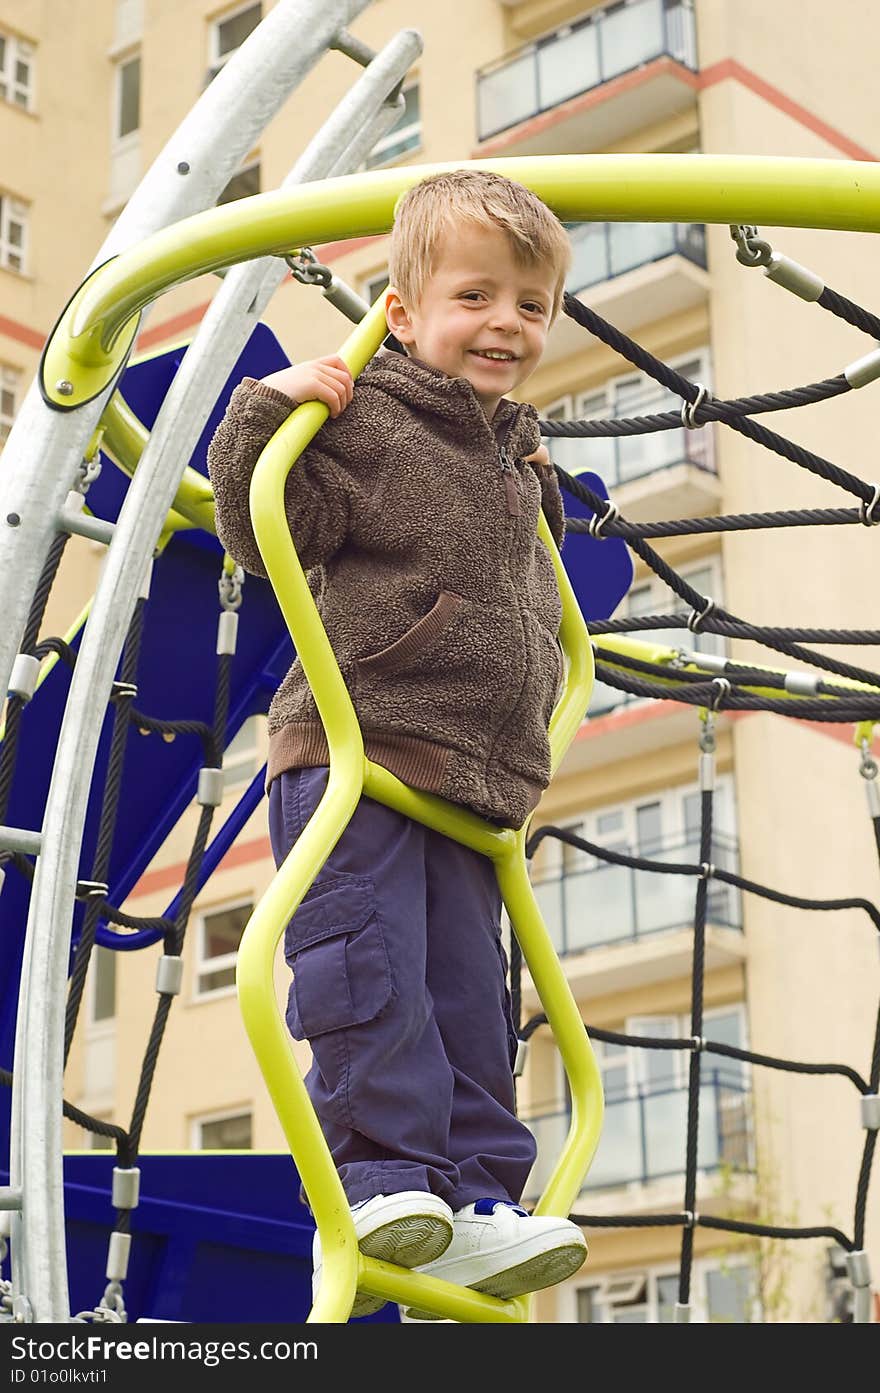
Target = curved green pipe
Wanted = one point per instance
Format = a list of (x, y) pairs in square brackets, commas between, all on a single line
[(90, 342)]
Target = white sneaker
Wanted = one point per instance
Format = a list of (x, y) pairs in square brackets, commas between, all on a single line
[(408, 1228), (499, 1249)]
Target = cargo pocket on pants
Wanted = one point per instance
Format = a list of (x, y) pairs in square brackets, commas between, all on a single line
[(341, 972)]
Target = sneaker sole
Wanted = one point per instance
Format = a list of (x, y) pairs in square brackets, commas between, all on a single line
[(536, 1273), (408, 1241)]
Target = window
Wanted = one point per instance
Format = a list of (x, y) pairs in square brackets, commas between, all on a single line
[(719, 1292), (219, 934), (231, 1132), (9, 387), (102, 971), (229, 33), (373, 286), (13, 233), (623, 458), (242, 185), (405, 135), (588, 902), (240, 759), (653, 596), (16, 71), (127, 120)]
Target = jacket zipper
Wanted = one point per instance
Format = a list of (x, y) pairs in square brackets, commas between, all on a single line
[(508, 474)]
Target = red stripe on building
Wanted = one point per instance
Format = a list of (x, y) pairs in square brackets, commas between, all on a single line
[(242, 854), (11, 329)]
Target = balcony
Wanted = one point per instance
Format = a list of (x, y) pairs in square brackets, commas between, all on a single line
[(644, 1136), (602, 250), (607, 904), (636, 273), (592, 82)]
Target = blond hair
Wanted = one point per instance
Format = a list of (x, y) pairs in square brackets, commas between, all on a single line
[(434, 206)]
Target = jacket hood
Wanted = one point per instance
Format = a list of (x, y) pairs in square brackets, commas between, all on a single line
[(429, 389)]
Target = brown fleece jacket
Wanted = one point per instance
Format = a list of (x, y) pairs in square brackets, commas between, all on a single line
[(416, 518)]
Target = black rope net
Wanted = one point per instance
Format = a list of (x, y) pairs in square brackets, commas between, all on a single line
[(128, 722), (835, 691)]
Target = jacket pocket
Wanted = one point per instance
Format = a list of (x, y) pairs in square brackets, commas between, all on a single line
[(418, 639), (341, 972)]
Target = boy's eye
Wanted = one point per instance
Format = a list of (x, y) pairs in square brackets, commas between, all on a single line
[(532, 307), (472, 295)]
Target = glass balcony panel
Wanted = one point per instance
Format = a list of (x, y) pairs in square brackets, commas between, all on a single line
[(549, 1132), (630, 34), (507, 95), (665, 1117), (597, 907), (568, 64), (635, 244), (645, 1138), (603, 250), (604, 699), (574, 60), (664, 901), (608, 903), (618, 1159), (548, 894), (590, 261)]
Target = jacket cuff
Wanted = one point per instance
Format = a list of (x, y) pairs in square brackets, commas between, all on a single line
[(254, 388)]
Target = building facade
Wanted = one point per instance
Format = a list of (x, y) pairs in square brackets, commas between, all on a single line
[(83, 113)]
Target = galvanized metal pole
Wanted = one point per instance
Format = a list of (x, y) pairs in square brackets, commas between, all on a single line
[(44, 448), (38, 1234)]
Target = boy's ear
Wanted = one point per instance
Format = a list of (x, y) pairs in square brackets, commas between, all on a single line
[(397, 316)]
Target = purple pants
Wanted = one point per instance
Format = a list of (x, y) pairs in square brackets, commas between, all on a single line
[(400, 988)]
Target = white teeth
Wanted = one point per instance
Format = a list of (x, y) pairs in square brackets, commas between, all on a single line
[(491, 353)]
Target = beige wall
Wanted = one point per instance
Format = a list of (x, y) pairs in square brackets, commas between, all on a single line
[(789, 78)]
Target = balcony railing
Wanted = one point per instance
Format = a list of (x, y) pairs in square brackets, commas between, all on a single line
[(620, 459), (581, 56), (644, 1135), (602, 250), (607, 904)]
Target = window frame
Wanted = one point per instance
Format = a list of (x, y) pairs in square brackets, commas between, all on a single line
[(222, 1115), (101, 1024), (18, 50), (216, 60), (369, 280), (13, 209), (10, 381), (223, 961), (652, 1275), (584, 405), (376, 158), (118, 141)]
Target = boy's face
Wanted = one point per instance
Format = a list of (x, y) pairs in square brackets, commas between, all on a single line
[(481, 315)]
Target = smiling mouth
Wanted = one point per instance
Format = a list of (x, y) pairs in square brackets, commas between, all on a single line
[(491, 355)]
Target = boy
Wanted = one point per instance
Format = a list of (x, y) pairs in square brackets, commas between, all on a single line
[(416, 510)]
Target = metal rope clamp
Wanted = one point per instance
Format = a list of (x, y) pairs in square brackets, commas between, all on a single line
[(229, 587), (597, 524), (868, 769), (689, 409), (696, 618), (866, 510), (751, 250)]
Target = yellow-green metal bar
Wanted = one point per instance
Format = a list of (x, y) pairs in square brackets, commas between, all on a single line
[(90, 342), (661, 654), (125, 438), (89, 347), (351, 774)]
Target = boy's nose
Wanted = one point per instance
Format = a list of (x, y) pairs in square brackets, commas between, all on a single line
[(506, 318)]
